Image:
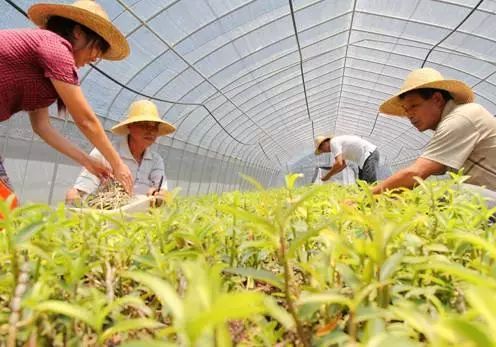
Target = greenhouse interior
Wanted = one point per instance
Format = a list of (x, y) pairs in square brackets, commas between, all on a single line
[(296, 173)]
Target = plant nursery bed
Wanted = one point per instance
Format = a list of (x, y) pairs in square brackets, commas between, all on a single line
[(322, 266)]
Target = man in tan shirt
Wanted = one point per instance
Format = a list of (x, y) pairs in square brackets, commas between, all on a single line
[(465, 132)]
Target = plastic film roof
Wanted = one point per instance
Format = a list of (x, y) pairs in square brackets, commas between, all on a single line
[(236, 78)]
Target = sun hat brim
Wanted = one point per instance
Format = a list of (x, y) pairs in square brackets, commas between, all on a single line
[(119, 47), (317, 150), (460, 92), (164, 127)]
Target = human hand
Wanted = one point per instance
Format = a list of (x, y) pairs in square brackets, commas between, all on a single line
[(97, 167), (123, 175), (72, 197), (158, 197)]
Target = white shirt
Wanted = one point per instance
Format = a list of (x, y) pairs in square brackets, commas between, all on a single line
[(146, 175), (352, 148)]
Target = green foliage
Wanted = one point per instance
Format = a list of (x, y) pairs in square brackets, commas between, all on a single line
[(291, 266)]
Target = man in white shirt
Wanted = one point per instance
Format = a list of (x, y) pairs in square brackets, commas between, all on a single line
[(349, 147), (140, 130)]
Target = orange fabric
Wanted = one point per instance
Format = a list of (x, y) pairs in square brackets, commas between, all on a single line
[(5, 192)]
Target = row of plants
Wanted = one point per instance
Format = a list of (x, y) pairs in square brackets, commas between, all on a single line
[(313, 266)]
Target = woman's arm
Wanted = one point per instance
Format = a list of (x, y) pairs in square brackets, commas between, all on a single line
[(40, 122), (90, 126)]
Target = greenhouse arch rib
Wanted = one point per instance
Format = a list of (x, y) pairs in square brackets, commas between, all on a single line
[(265, 99), (363, 59), (344, 63), (452, 31), (191, 66), (123, 86), (301, 65)]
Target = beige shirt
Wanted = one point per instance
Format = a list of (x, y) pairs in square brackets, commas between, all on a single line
[(146, 175), (466, 138)]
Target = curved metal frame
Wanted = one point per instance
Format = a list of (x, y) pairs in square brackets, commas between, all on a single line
[(247, 106)]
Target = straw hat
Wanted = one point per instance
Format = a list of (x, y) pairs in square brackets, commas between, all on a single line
[(318, 141), (89, 14), (143, 111), (427, 78)]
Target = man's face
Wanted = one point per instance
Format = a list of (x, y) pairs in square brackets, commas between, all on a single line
[(423, 114), (144, 132), (325, 147)]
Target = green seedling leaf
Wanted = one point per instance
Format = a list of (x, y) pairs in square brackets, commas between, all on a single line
[(163, 290), (232, 306), (253, 182), (247, 216), (476, 241), (373, 328), (413, 240), (367, 313), (436, 247), (462, 273), (296, 204), (222, 336), (390, 266), (279, 313), (67, 309), (301, 240), (291, 180), (465, 330), (335, 338), (407, 312), (35, 250), (127, 300), (389, 340), (27, 232), (325, 298), (364, 292), (349, 275), (227, 306), (130, 324), (482, 299), (415, 260), (258, 274), (147, 343)]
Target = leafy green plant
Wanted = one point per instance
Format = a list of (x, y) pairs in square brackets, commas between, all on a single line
[(290, 266)]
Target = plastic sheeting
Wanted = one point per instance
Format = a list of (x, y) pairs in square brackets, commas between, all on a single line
[(229, 74)]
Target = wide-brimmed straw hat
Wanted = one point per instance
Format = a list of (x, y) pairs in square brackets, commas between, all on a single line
[(427, 78), (318, 141), (143, 111), (89, 14)]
